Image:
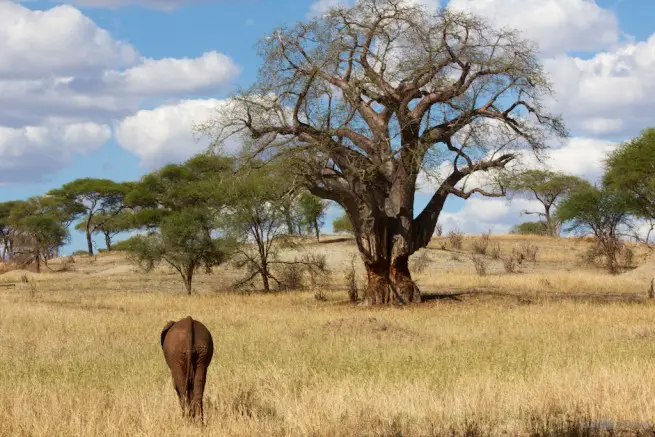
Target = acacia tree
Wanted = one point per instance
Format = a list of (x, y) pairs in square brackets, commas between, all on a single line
[(631, 168), (109, 225), (91, 197), (6, 230), (39, 228), (313, 211), (362, 99), (547, 187)]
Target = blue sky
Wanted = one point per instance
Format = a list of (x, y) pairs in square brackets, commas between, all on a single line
[(78, 74)]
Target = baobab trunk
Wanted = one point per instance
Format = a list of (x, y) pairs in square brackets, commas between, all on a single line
[(387, 269)]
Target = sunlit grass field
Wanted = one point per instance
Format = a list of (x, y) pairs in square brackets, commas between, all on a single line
[(500, 354)]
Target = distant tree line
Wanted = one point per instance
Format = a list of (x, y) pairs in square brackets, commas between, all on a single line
[(191, 215)]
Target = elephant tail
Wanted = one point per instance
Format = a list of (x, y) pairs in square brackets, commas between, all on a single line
[(189, 363)]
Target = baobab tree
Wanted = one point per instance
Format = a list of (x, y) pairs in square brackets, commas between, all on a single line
[(363, 98)]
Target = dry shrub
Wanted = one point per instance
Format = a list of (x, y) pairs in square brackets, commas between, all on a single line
[(509, 264), (494, 250), (290, 277), (438, 230), (529, 251), (351, 280), (613, 255), (8, 267), (518, 256), (421, 262), (480, 265), (455, 238), (481, 245), (455, 257), (309, 271)]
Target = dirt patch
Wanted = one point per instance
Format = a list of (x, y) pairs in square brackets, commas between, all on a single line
[(370, 325)]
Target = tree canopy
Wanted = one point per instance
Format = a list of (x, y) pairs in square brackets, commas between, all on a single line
[(363, 98), (548, 188)]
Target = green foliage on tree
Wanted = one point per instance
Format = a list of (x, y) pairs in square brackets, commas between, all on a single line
[(530, 228), (6, 229), (547, 187), (184, 241), (256, 219), (87, 197), (342, 225), (312, 211), (599, 211), (38, 228), (630, 168), (110, 225), (180, 205)]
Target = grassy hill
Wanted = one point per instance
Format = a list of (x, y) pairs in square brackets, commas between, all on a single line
[(514, 353)]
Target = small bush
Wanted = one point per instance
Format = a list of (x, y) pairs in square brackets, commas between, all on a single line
[(438, 230), (290, 277), (80, 253), (351, 281), (509, 264), (518, 256), (529, 252), (455, 238), (480, 265), (494, 250), (481, 245)]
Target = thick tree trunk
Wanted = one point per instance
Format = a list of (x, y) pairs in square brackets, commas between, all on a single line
[(378, 289), (401, 280)]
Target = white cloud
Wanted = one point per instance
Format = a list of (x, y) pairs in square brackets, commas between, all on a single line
[(173, 75), (480, 215), (556, 25), (55, 42), (320, 7), (165, 134), (609, 93), (30, 152), (163, 5)]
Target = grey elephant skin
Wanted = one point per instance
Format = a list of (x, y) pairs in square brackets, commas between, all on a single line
[(188, 349)]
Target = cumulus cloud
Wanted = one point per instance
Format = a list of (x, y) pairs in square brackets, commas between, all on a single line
[(30, 152), (480, 215), (56, 42), (556, 25), (173, 75), (163, 5), (320, 7), (608, 93), (165, 134)]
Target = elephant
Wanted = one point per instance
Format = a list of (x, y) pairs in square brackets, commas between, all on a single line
[(188, 349)]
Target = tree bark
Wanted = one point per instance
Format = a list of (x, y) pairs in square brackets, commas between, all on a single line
[(108, 242), (317, 230), (401, 280), (89, 241), (377, 290), (188, 279)]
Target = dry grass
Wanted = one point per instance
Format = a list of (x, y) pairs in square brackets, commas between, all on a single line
[(80, 354)]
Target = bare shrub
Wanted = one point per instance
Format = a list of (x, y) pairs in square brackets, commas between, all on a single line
[(529, 251), (438, 230), (290, 277), (481, 244), (455, 257), (480, 265), (494, 250), (613, 255), (351, 281), (421, 262), (509, 263), (455, 238), (443, 244), (518, 256)]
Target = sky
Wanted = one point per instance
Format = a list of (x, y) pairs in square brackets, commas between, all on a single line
[(112, 88)]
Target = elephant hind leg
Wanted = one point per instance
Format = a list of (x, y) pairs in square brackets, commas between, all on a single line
[(198, 391), (180, 383)]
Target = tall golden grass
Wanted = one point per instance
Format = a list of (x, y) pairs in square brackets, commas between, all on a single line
[(80, 354)]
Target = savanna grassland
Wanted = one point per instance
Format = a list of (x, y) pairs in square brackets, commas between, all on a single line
[(498, 354)]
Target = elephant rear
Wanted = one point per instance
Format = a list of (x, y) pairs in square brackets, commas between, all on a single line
[(188, 349)]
